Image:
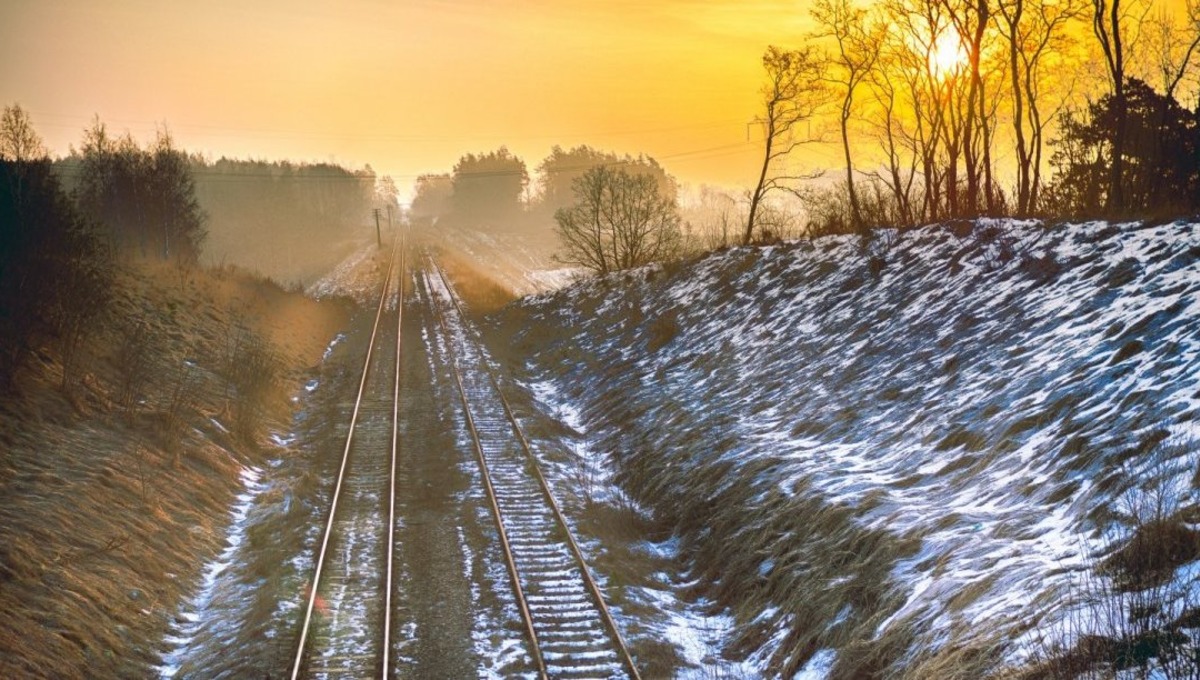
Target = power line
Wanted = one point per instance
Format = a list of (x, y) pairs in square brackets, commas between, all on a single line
[(271, 133)]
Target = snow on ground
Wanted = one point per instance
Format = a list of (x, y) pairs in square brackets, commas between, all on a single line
[(999, 401), (197, 612), (695, 632), (357, 276), (521, 261)]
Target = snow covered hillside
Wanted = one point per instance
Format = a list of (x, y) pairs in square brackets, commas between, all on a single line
[(913, 456)]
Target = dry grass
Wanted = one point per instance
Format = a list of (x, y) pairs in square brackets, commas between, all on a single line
[(481, 294), (1135, 611), (113, 494)]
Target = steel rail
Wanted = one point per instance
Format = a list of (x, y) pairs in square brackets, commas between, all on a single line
[(509, 561), (337, 489), (588, 579), (391, 539)]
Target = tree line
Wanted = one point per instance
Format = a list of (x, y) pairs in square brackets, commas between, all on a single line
[(924, 97), (609, 211), (940, 110), (142, 198), (68, 225), (56, 264), (494, 189), (286, 219)]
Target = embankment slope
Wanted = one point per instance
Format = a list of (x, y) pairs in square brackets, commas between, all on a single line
[(115, 491), (909, 458)]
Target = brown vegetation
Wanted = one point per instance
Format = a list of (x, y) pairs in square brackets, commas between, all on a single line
[(482, 294), (114, 493)]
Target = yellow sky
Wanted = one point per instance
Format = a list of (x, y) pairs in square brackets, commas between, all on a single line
[(406, 85)]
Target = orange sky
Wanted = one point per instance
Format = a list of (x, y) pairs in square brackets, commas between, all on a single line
[(406, 85)]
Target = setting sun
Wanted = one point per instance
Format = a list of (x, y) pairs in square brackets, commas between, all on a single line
[(947, 56)]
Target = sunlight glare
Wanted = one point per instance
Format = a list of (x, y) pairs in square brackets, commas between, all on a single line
[(947, 55)]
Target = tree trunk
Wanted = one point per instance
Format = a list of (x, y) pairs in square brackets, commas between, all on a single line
[(855, 213), (756, 196), (1023, 179)]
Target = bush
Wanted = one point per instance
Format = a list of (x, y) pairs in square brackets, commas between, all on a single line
[(134, 361), (252, 369), (1135, 610), (829, 208)]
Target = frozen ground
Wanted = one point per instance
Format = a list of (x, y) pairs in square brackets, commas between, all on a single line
[(935, 440)]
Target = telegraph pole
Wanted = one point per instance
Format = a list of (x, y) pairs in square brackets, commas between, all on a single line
[(389, 207), (378, 239)]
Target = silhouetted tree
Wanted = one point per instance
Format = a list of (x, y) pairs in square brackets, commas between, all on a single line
[(173, 207), (55, 278), (619, 220), (1162, 150), (1109, 24), (1174, 43), (1034, 31), (146, 199), (792, 96), (856, 50), (971, 19), (19, 142)]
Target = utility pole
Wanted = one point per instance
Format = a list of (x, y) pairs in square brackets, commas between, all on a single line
[(389, 207), (378, 239)]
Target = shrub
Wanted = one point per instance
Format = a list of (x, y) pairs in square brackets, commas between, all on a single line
[(251, 370), (1135, 610)]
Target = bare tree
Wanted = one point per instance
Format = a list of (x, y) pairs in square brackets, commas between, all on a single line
[(20, 144), (18, 140), (1034, 30), (970, 19), (900, 164), (931, 96), (857, 52), (619, 220), (134, 360), (1174, 45), (792, 96), (82, 295), (1109, 24)]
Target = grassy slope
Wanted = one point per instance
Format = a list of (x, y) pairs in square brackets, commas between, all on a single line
[(106, 516), (901, 460)]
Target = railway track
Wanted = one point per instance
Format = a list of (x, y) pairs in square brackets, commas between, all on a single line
[(570, 631), (346, 626), (347, 622)]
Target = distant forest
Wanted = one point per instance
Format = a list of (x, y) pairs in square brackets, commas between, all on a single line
[(291, 221), (494, 190), (69, 225)]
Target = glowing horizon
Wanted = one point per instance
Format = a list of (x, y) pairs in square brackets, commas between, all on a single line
[(407, 89)]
